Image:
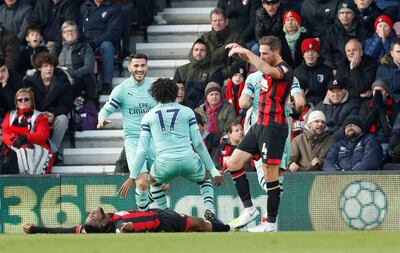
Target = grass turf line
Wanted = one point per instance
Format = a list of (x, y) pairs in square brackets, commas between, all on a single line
[(299, 242)]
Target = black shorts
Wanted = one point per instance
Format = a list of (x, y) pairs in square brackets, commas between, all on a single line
[(171, 221), (266, 141)]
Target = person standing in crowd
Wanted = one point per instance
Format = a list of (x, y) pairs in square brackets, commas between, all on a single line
[(10, 81), (15, 15)]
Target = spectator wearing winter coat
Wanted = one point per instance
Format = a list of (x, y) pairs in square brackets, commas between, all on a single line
[(337, 106), (378, 45), (367, 12), (356, 71), (357, 151), (10, 82), (313, 75), (308, 150), (33, 48), (345, 27), (293, 35), (15, 15), (318, 15), (216, 40), (197, 73), (9, 49)]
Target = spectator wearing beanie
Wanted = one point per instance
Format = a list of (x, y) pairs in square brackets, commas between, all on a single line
[(293, 35), (357, 151), (312, 73), (378, 45), (233, 89), (309, 149), (215, 111), (346, 27)]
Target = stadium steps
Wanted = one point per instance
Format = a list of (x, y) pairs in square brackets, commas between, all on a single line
[(168, 46)]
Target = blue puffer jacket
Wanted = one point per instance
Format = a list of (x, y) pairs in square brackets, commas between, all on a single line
[(390, 72), (101, 23), (364, 153), (376, 48)]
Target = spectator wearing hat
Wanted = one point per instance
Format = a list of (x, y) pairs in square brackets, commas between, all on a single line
[(389, 71), (367, 13), (318, 15), (216, 40), (357, 151), (293, 35), (337, 106), (356, 71), (346, 27), (378, 45), (215, 111), (309, 149), (197, 73), (377, 114), (233, 90), (312, 73), (269, 21)]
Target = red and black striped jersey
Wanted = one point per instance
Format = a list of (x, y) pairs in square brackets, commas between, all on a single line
[(142, 221), (273, 97)]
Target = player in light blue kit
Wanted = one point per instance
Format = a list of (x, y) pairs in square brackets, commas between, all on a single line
[(134, 101), (175, 132)]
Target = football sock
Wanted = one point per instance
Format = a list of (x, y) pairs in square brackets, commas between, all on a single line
[(142, 199), (217, 227), (274, 191), (158, 196), (242, 187), (207, 192)]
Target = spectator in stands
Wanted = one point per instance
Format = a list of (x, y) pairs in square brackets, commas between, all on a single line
[(76, 57), (367, 12), (318, 15), (32, 49), (377, 114), (196, 74), (233, 90), (101, 27), (235, 134), (308, 150), (15, 15), (356, 71), (293, 35), (269, 21), (216, 40), (210, 140), (337, 106), (26, 131), (345, 27), (313, 74), (10, 81), (49, 16), (53, 97), (215, 110), (378, 45), (389, 71), (9, 50), (241, 15), (357, 151), (8, 158)]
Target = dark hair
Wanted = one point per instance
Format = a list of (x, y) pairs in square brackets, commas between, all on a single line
[(396, 42), (229, 125), (164, 90), (138, 56), (199, 118), (217, 11), (2, 62), (45, 57), (273, 42), (32, 29)]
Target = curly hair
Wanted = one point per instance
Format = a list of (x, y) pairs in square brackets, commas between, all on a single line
[(164, 90), (45, 57)]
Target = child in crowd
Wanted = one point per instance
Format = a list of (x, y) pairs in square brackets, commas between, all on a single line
[(34, 47), (233, 90)]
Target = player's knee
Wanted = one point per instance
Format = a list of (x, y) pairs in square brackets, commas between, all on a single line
[(142, 184)]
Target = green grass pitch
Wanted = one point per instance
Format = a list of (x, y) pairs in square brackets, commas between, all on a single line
[(291, 242)]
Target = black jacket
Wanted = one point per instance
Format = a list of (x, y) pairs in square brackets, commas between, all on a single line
[(335, 39), (7, 93), (266, 25), (287, 55), (368, 16), (59, 98), (28, 56), (314, 79), (359, 79)]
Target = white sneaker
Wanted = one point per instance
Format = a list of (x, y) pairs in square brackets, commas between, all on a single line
[(264, 227), (245, 218)]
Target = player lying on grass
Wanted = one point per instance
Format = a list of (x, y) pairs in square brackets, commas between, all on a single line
[(153, 220)]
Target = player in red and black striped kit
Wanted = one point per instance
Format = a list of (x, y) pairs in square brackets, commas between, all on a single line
[(153, 220), (267, 137)]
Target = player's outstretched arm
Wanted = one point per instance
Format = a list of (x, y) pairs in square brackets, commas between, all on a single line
[(30, 228)]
